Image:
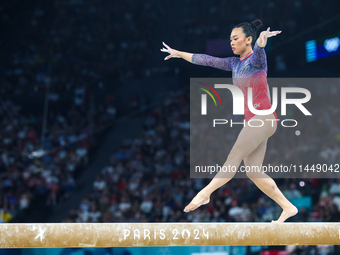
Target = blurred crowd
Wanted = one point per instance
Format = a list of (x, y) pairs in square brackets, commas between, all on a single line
[(32, 164), (221, 16), (79, 44), (203, 20)]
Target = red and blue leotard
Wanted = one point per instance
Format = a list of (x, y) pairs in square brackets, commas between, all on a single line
[(248, 71)]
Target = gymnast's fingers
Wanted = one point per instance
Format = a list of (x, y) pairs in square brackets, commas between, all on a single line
[(274, 33), (166, 45), (167, 57)]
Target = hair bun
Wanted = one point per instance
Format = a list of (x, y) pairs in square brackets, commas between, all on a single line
[(256, 24)]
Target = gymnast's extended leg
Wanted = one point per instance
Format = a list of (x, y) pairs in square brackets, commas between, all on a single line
[(267, 184), (247, 141)]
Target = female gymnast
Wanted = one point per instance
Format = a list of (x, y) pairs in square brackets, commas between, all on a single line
[(251, 143)]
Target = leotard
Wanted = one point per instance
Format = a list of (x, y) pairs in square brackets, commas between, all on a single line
[(250, 70)]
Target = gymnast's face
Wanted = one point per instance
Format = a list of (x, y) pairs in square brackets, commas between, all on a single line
[(238, 41)]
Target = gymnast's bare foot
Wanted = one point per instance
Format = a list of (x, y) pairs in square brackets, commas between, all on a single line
[(198, 200), (290, 212)]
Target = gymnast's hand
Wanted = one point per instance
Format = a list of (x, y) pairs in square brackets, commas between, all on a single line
[(262, 40), (202, 198), (173, 53)]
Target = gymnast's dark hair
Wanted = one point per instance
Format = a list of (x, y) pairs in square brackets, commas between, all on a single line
[(250, 29)]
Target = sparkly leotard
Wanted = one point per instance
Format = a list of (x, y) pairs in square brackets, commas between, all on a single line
[(248, 71)]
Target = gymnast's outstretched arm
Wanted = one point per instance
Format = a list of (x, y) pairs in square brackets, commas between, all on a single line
[(259, 60), (201, 59)]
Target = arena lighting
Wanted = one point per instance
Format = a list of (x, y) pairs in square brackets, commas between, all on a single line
[(322, 47), (58, 235)]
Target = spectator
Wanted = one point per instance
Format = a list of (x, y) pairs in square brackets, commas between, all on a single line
[(335, 188), (292, 192)]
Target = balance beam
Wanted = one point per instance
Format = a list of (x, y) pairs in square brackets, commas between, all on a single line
[(58, 235)]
